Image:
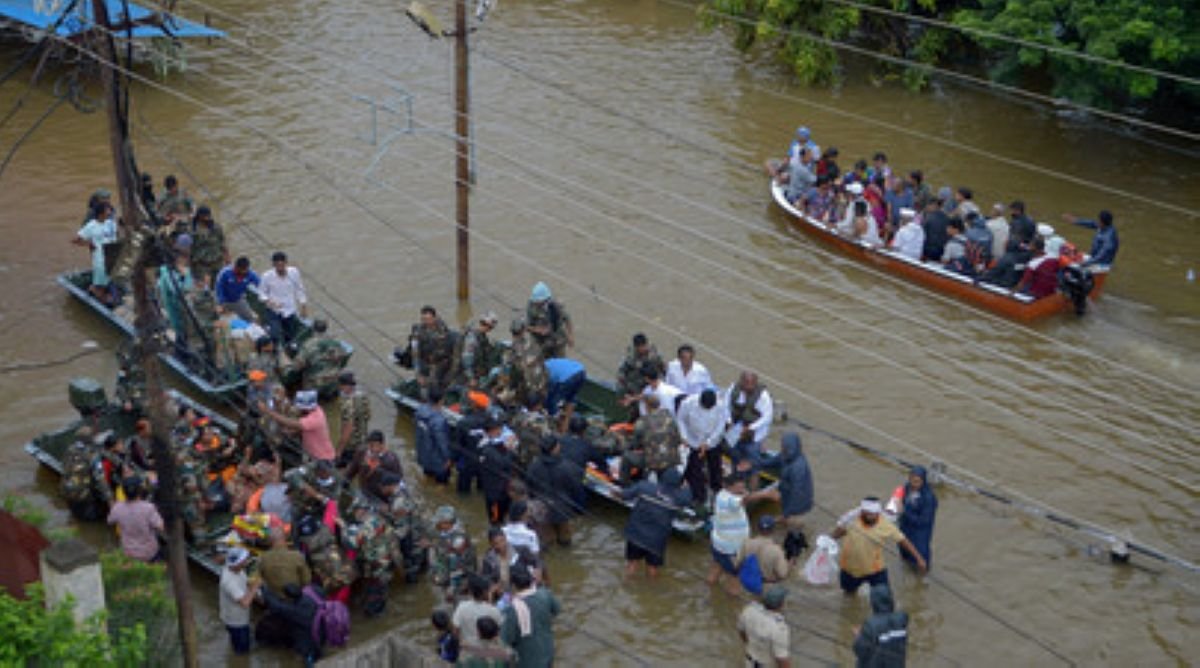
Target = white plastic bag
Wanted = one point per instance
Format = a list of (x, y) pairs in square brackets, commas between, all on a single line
[(822, 564)]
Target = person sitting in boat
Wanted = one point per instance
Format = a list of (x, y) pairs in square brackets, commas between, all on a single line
[(880, 169), (174, 283), (631, 379), (827, 166), (921, 191), (819, 203), (100, 196), (1040, 278), (802, 142), (99, 231), (935, 221), (1008, 270), (979, 241), (1022, 229), (954, 254), (899, 196), (964, 199), (851, 194), (1105, 244), (801, 176), (909, 240), (231, 285), (859, 225), (858, 174), (874, 196)]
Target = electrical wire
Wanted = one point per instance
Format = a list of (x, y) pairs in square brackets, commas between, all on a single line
[(933, 69), (1000, 37)]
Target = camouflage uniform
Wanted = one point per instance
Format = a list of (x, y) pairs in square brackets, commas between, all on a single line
[(658, 435), (527, 377), (452, 560), (409, 529), (84, 485), (301, 482), (321, 358), (372, 537), (208, 250), (550, 314), (475, 357), (268, 363), (201, 334), (189, 490), (629, 377), (131, 378), (435, 353), (531, 428), (355, 409), (329, 562), (176, 205)]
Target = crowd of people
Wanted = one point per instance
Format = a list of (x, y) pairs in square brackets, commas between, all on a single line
[(201, 290), (881, 208), (321, 524)]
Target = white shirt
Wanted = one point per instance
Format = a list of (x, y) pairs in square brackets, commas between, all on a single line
[(910, 240), (666, 394), (520, 535), (692, 382), (466, 618), (284, 294), (233, 589), (761, 427), (999, 229), (698, 425)]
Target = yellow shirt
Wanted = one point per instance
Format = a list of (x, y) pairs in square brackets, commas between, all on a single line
[(862, 546)]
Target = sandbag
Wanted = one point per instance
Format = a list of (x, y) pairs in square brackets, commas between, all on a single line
[(822, 564)]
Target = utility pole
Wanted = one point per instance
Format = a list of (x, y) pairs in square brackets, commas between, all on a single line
[(146, 322), (462, 105)]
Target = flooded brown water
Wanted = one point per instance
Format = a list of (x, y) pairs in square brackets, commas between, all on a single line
[(618, 148)]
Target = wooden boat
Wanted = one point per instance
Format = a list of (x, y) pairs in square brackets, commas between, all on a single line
[(595, 397), (49, 448), (77, 282), (935, 277)]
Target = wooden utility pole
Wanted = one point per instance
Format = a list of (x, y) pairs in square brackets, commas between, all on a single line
[(146, 322), (462, 105)]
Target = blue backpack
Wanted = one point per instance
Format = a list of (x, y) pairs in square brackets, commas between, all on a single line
[(750, 574)]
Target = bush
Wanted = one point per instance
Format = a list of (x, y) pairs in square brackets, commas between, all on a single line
[(138, 596), (35, 636)]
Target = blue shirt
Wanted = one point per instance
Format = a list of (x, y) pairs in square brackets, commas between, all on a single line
[(561, 369), (1104, 244), (230, 289)]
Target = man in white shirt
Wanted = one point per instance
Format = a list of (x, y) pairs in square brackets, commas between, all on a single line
[(910, 238), (701, 420), (235, 599), (998, 226), (283, 290), (749, 411), (665, 392), (684, 372)]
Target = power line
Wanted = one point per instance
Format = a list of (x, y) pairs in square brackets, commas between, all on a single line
[(1000, 37), (1013, 90)]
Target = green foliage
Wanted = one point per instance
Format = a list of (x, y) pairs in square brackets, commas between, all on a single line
[(138, 595), (35, 636), (36, 517)]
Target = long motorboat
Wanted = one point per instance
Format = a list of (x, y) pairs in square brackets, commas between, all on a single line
[(934, 276), (77, 282), (595, 397)]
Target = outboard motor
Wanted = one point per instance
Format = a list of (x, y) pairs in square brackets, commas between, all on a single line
[(1076, 283)]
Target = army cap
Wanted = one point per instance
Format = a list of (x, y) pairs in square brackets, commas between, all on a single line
[(445, 514)]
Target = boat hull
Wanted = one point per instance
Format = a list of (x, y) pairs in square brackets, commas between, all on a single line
[(932, 276)]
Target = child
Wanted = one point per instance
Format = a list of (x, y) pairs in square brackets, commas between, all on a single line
[(447, 642), (489, 652)]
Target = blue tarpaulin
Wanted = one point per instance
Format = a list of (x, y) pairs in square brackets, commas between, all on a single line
[(45, 13)]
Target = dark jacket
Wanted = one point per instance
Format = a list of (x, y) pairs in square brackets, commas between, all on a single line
[(654, 506), (577, 449), (935, 224), (918, 514), (433, 439), (1008, 269), (795, 478), (299, 616), (559, 484), (495, 469), (882, 641)]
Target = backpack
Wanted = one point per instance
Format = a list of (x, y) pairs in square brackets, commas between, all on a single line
[(332, 621), (77, 475), (750, 575)]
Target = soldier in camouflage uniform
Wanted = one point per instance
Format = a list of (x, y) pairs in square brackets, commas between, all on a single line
[(476, 354), (371, 536), (265, 358), (527, 380), (433, 350), (202, 332), (131, 378), (402, 513), (355, 410), (175, 206), (640, 355), (189, 493), (334, 570), (84, 484), (310, 489), (657, 434), (453, 557), (548, 323), (532, 426), (209, 252), (321, 359)]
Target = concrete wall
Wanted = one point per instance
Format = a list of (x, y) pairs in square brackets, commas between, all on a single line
[(72, 568), (392, 649)]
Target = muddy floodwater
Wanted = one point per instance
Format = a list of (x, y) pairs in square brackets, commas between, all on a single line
[(617, 158)]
